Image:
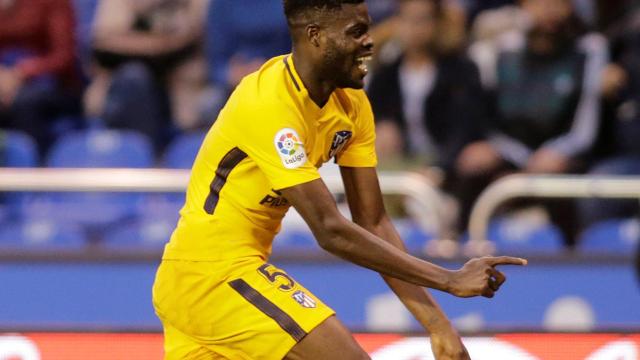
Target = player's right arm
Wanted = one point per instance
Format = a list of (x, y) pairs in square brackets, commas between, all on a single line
[(343, 238)]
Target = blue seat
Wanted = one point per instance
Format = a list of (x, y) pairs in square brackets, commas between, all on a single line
[(519, 236), (41, 234), (614, 236), (182, 151), (145, 233), (95, 148), (297, 238), (101, 148), (17, 149), (414, 237), (180, 154)]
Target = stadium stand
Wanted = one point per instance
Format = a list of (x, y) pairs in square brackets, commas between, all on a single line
[(94, 148), (620, 236), (183, 150), (149, 232), (41, 234), (17, 149), (525, 237)]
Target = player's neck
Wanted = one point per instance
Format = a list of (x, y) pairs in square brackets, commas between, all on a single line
[(319, 90)]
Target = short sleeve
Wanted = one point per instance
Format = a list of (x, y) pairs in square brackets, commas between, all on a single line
[(361, 150), (277, 145)]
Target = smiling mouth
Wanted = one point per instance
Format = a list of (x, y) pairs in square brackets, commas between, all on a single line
[(363, 63)]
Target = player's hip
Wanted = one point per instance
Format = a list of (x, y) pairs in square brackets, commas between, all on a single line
[(235, 305), (184, 292)]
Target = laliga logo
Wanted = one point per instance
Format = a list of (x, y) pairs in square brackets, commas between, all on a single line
[(290, 148), (288, 143)]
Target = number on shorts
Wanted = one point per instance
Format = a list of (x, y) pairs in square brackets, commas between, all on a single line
[(272, 277)]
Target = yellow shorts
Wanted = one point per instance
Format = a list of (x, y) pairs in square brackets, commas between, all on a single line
[(223, 310)]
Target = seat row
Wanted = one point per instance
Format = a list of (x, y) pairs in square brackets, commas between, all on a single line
[(124, 220)]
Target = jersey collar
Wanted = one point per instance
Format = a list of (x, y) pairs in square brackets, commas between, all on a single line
[(301, 90)]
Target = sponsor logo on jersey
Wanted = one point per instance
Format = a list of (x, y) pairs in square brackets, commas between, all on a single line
[(275, 200), (303, 299), (340, 139), (290, 148)]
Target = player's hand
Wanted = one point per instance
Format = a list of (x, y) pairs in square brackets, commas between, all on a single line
[(480, 277), (447, 345)]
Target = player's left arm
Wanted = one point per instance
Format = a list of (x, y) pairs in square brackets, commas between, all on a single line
[(367, 209)]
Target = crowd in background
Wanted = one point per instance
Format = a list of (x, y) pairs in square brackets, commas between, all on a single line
[(465, 91)]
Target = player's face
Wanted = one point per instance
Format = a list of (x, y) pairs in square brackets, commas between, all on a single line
[(347, 48)]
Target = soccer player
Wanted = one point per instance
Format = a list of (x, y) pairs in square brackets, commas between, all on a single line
[(215, 293)]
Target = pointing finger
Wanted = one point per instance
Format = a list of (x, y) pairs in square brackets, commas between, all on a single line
[(505, 260)]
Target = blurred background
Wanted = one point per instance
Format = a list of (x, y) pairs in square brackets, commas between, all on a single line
[(503, 127)]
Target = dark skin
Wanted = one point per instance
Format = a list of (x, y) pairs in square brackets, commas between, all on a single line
[(370, 240)]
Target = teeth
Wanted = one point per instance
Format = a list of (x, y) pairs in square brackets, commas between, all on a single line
[(362, 63)]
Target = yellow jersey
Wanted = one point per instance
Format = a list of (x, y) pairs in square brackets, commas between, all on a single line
[(270, 135)]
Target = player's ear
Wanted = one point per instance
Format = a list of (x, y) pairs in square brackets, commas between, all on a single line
[(313, 34)]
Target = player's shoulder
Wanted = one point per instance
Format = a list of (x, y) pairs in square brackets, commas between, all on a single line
[(264, 89), (267, 79)]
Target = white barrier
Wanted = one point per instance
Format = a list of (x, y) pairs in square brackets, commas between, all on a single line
[(412, 185), (542, 186)]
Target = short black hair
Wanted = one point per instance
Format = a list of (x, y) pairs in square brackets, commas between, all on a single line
[(293, 8)]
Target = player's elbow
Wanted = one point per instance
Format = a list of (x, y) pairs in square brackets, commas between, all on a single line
[(331, 235)]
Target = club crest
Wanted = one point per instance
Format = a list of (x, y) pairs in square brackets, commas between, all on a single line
[(340, 139), (303, 299)]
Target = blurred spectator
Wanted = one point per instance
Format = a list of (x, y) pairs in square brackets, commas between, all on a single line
[(615, 17), (475, 7), (150, 71), (450, 38), (240, 40), (38, 79), (620, 145), (546, 82), (426, 101)]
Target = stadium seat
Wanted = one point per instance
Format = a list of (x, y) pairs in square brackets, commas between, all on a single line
[(518, 235), (151, 232), (41, 234), (180, 154), (183, 150), (521, 236), (101, 148), (94, 148), (414, 237), (298, 238), (614, 236), (17, 149)]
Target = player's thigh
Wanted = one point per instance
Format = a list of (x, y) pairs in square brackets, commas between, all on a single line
[(329, 340), (255, 311)]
